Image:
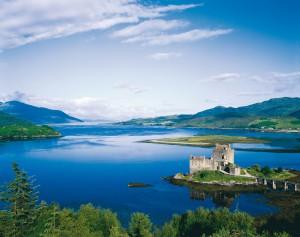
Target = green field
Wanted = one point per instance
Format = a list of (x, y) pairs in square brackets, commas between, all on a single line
[(207, 141)]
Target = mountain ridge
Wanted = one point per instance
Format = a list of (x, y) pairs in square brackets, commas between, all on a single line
[(34, 114), (275, 113)]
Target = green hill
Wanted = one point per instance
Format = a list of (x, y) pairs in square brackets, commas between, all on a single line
[(278, 113), (12, 128)]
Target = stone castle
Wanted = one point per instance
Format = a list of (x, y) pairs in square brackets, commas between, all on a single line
[(222, 159)]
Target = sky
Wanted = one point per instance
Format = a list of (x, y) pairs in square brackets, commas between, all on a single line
[(122, 59)]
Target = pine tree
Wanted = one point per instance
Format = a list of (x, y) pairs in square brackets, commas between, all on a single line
[(51, 226), (21, 198)]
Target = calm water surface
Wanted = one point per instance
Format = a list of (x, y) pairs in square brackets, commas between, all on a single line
[(94, 163)]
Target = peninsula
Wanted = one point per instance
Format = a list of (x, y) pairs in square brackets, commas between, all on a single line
[(12, 128), (207, 141)]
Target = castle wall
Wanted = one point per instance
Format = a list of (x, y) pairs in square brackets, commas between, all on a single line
[(235, 170), (230, 154), (201, 163)]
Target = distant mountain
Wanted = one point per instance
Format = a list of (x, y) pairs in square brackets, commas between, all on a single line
[(277, 113), (12, 128), (37, 115)]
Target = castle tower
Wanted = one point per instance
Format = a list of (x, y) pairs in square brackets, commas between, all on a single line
[(224, 154)]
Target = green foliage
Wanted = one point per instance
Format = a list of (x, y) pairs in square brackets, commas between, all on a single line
[(203, 222), (50, 222), (12, 128), (140, 225), (21, 198), (256, 167), (267, 172), (26, 131), (283, 234), (263, 123), (22, 217)]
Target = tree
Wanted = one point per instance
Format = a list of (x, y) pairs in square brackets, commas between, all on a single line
[(140, 225), (108, 221), (117, 232), (52, 223), (21, 198), (168, 230), (266, 170)]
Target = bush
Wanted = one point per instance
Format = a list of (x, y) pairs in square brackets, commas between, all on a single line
[(266, 170)]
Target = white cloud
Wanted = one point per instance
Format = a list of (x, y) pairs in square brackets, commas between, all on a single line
[(17, 95), (255, 93), (127, 86), (23, 22), (225, 77), (269, 83), (278, 81), (149, 27), (177, 7), (154, 31), (286, 76), (283, 82), (164, 56), (274, 82), (188, 36)]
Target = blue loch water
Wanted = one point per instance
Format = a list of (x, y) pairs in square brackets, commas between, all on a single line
[(95, 163)]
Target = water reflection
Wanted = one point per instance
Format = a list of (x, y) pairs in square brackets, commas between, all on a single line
[(219, 198)]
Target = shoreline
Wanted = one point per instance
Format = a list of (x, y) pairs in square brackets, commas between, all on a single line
[(27, 138), (215, 128), (227, 184), (217, 186)]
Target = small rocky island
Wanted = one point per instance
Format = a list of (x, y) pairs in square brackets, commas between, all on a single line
[(138, 185), (220, 169)]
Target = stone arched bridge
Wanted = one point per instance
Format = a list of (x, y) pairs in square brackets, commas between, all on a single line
[(279, 184)]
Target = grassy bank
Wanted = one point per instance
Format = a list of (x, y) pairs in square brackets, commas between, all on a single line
[(207, 176), (217, 176)]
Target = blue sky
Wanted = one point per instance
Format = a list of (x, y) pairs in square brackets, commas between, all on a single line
[(101, 59)]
